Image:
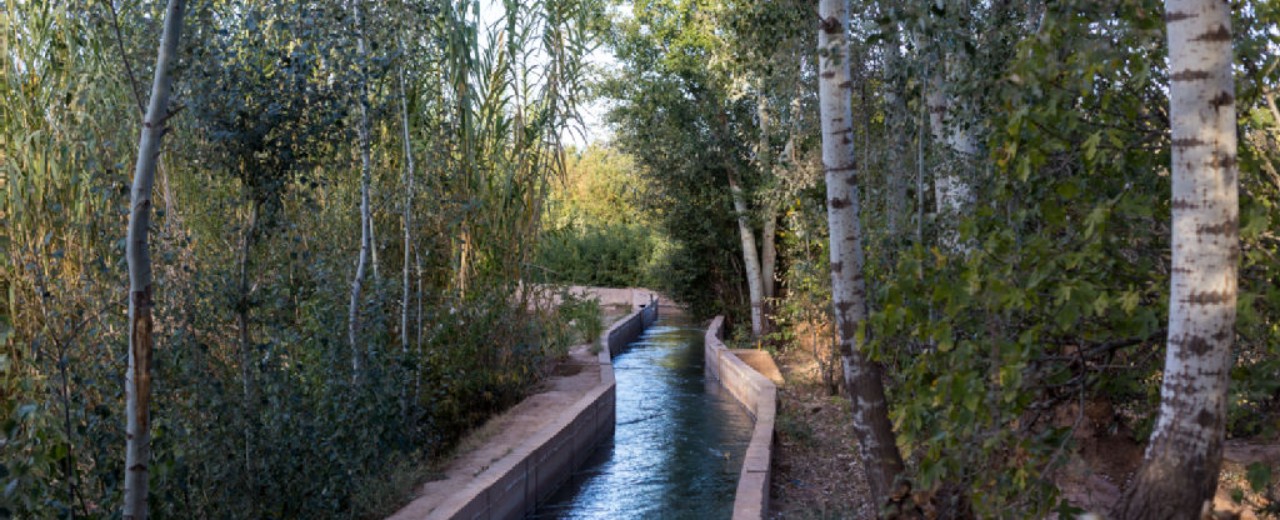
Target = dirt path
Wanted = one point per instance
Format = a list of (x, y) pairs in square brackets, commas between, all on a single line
[(497, 439), (816, 473)]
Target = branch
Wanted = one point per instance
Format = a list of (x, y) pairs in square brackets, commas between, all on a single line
[(124, 58)]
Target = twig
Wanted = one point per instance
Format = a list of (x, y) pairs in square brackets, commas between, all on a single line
[(124, 58)]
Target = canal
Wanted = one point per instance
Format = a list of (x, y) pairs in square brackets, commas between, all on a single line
[(679, 441)]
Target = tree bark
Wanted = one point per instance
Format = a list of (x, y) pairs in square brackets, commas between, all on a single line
[(952, 192), (353, 311), (1179, 471), (750, 258), (406, 293), (246, 340), (877, 446), (897, 171), (138, 256), (768, 245), (769, 255)]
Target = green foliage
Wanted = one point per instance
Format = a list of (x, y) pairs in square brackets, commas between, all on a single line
[(599, 232), (262, 131), (583, 315), (1062, 293), (609, 256)]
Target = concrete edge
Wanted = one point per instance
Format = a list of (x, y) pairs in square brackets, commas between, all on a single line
[(759, 396), (513, 487)]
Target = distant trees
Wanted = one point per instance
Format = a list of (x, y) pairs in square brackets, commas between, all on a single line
[(599, 229)]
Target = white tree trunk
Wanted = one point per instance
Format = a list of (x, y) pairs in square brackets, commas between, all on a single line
[(952, 192), (750, 258), (353, 327), (877, 447), (138, 256), (1180, 468), (768, 247), (769, 253), (896, 171), (406, 294), (408, 214)]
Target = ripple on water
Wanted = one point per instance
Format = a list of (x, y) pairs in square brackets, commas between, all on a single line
[(679, 442)]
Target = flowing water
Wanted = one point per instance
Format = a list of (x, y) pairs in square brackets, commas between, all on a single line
[(679, 441)]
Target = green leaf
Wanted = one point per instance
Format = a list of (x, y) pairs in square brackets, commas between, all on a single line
[(1259, 476), (1255, 221), (1129, 301), (1067, 190), (1091, 145)]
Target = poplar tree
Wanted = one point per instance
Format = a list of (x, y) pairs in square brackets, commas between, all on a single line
[(877, 447), (1179, 472), (138, 256)]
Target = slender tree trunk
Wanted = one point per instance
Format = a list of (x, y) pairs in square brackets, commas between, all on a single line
[(920, 128), (750, 258), (353, 329), (246, 341), (769, 253), (1179, 472), (952, 192), (138, 256), (373, 250), (876, 444), (764, 153), (896, 171), (406, 294)]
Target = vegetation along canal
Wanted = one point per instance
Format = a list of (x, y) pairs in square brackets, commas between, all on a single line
[(679, 442)]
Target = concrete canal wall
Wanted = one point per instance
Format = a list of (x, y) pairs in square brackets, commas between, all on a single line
[(759, 395), (514, 487)]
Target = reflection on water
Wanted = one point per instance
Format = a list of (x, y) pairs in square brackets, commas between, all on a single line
[(679, 442)]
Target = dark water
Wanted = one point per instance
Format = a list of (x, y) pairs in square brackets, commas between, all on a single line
[(679, 442)]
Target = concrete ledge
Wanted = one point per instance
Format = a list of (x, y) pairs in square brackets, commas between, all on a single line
[(513, 486), (759, 395)]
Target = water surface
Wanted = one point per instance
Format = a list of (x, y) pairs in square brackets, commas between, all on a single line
[(679, 441)]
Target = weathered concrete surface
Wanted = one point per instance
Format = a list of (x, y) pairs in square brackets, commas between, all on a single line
[(539, 443), (635, 297), (759, 395)]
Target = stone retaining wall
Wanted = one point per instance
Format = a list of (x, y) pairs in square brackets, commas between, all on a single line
[(759, 396)]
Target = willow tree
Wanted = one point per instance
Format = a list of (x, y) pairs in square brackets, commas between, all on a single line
[(138, 256), (1179, 472), (876, 444)]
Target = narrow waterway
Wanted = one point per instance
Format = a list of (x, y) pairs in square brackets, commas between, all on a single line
[(679, 441)]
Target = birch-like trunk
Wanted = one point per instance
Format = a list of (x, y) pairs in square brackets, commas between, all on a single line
[(1179, 472), (897, 171), (750, 258), (138, 256), (362, 261), (877, 447), (769, 256), (952, 192), (406, 294), (768, 235)]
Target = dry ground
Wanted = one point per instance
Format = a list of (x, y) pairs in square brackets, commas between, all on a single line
[(817, 475), (816, 472), (489, 444)]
